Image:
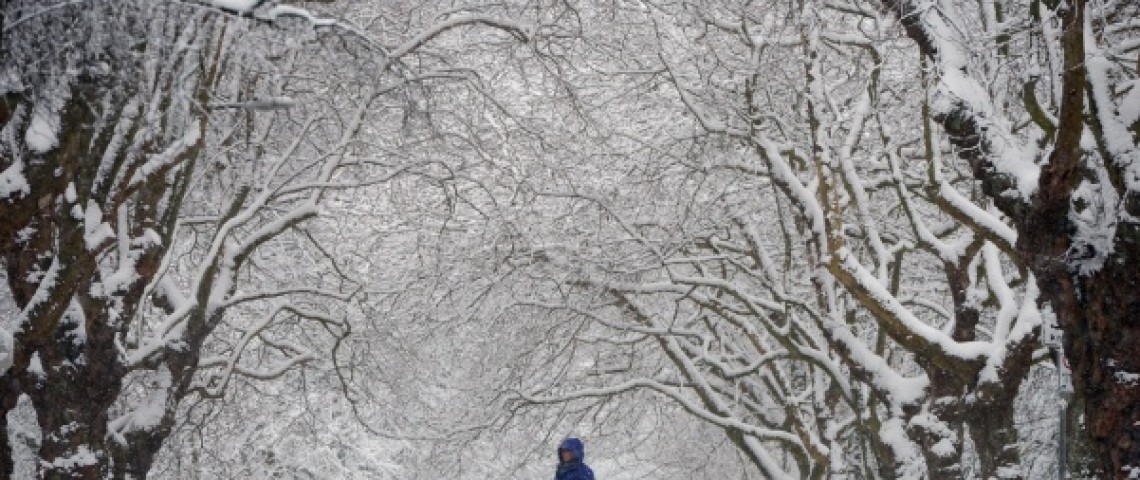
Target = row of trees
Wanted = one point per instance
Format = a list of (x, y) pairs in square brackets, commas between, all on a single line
[(866, 236), (817, 238), (163, 165)]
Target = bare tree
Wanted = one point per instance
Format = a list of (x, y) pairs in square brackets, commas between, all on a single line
[(154, 154), (1042, 108)]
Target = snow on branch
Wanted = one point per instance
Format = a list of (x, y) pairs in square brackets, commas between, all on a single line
[(517, 30), (961, 102), (260, 104), (230, 366), (674, 394), (898, 321)]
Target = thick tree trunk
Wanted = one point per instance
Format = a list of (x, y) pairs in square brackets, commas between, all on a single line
[(994, 434), (1098, 311), (56, 358), (65, 355), (1101, 318)]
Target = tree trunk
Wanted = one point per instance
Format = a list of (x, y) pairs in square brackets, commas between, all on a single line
[(994, 434), (939, 427), (1081, 461), (1100, 315), (7, 463), (65, 356), (1098, 311)]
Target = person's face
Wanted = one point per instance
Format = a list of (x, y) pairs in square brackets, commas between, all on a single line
[(566, 455)]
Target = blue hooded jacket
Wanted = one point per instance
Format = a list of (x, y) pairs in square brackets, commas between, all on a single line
[(575, 469)]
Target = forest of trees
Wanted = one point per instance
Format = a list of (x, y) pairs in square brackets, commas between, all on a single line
[(429, 239)]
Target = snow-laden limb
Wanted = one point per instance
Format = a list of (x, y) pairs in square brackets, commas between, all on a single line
[(97, 234), (12, 180), (519, 31), (277, 11), (236, 6), (120, 137), (961, 102), (901, 392), (175, 153), (895, 318), (922, 233), (986, 223), (48, 282), (856, 187), (43, 132), (1112, 119), (216, 382), (260, 104), (894, 435), (786, 178), (149, 413), (1016, 321)]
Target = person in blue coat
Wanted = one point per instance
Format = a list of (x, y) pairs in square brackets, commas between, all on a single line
[(571, 461)]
